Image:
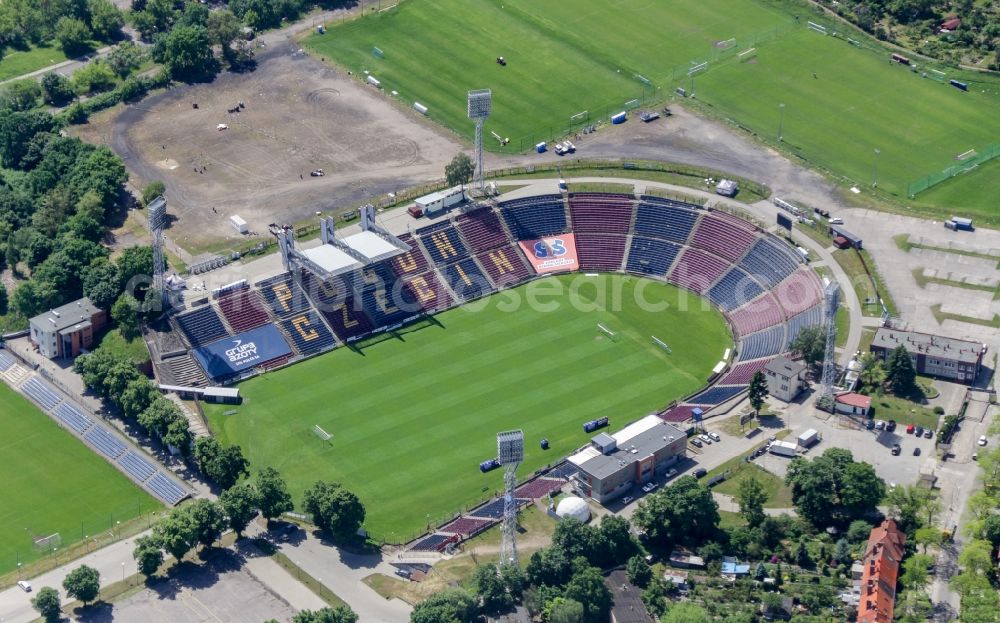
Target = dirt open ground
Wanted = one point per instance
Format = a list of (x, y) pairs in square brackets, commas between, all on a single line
[(300, 115)]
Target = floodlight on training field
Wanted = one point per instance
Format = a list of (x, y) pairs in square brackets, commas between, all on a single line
[(510, 447), (480, 104)]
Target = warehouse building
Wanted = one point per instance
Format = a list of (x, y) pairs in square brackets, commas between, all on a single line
[(612, 464), (933, 355)]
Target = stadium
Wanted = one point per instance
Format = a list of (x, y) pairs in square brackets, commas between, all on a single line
[(404, 411)]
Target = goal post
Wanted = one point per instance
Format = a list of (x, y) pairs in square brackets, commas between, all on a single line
[(46, 543), (608, 332), (377, 52), (661, 344), (319, 432)]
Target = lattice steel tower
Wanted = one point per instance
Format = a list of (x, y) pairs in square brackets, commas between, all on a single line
[(157, 213), (510, 452), (831, 297), (480, 104)]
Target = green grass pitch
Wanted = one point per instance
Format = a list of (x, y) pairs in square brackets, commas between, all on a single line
[(412, 418), (568, 56), (52, 482)]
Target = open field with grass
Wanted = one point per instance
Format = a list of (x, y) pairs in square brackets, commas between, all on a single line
[(563, 57), (413, 417), (19, 62), (51, 482), (778, 495)]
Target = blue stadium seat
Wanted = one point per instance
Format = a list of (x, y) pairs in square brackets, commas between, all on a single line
[(308, 332), (136, 466), (283, 295), (202, 326), (666, 221), (766, 343), (73, 417), (735, 288), (166, 489), (466, 280), (105, 442), (444, 246), (6, 361), (41, 392), (651, 256), (348, 320), (769, 261), (539, 217), (717, 395)]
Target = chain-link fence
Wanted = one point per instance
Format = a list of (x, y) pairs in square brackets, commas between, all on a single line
[(967, 162)]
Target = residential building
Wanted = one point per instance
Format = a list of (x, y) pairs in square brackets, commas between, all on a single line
[(785, 378), (933, 355), (66, 331), (883, 556)]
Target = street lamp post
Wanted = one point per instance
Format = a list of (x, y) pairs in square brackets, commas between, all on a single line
[(781, 121), (123, 573), (875, 168)]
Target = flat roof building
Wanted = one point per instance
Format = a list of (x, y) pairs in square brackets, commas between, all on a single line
[(785, 378), (933, 355), (66, 331), (609, 467)]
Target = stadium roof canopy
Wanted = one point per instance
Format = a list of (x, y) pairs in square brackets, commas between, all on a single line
[(331, 259), (371, 245)]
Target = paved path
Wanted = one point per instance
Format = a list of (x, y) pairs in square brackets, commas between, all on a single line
[(728, 503)]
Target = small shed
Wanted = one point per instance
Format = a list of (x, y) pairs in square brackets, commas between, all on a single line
[(238, 224), (727, 188), (853, 404)]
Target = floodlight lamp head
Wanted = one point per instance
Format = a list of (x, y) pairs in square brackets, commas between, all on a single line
[(480, 103), (157, 212), (510, 447)]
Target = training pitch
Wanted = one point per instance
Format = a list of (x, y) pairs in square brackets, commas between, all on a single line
[(841, 102), (413, 416), (51, 482)]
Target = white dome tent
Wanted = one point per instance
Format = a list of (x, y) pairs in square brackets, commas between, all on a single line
[(573, 507)]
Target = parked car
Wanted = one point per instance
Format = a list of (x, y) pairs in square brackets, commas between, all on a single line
[(982, 440), (705, 438), (836, 220), (649, 487), (671, 473), (919, 432), (928, 433), (879, 424), (870, 425), (696, 442), (24, 586), (890, 425), (701, 472), (626, 500), (715, 436), (403, 573), (896, 449), (909, 429), (916, 451)]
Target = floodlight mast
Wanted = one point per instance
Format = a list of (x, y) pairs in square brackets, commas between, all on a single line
[(480, 104), (510, 452)]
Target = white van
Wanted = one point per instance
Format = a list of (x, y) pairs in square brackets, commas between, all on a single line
[(803, 253), (25, 586)]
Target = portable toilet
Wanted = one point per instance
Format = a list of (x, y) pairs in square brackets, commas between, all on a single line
[(619, 117), (562, 185), (541, 147)]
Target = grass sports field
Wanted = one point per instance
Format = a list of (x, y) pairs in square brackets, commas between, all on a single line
[(563, 57), (51, 482), (412, 418), (568, 56)]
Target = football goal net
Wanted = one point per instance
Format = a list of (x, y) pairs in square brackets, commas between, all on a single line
[(377, 52), (322, 434), (47, 543), (608, 332), (661, 344)]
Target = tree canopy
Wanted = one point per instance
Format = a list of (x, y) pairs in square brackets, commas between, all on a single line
[(83, 583), (682, 513), (334, 509), (833, 489), (811, 344), (460, 170)]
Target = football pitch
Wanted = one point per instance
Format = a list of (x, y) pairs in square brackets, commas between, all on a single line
[(51, 482), (564, 57), (413, 416)]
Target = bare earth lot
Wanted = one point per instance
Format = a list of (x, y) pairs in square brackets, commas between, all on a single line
[(300, 115)]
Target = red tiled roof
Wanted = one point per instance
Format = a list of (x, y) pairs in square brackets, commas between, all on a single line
[(881, 570), (855, 400), (951, 24)]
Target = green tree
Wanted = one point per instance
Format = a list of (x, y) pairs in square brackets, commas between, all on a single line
[(21, 94), (135, 265), (549, 566), (178, 434), (154, 189), (73, 36), (842, 551), (228, 467), (563, 610), (83, 583), (223, 29), (240, 505), (125, 314), (139, 394), (106, 20), (33, 297), (686, 613), (148, 555), (447, 606), (915, 573), (833, 489), (638, 571), (340, 614), (758, 392), (801, 554), (587, 587), (158, 415), (684, 512), (751, 496), (873, 373), (811, 344), (56, 89), (101, 283), (912, 507), (95, 77), (177, 533), (900, 371), (460, 170), (334, 509), (125, 58), (48, 604), (209, 519), (188, 53), (273, 493), (490, 589)]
